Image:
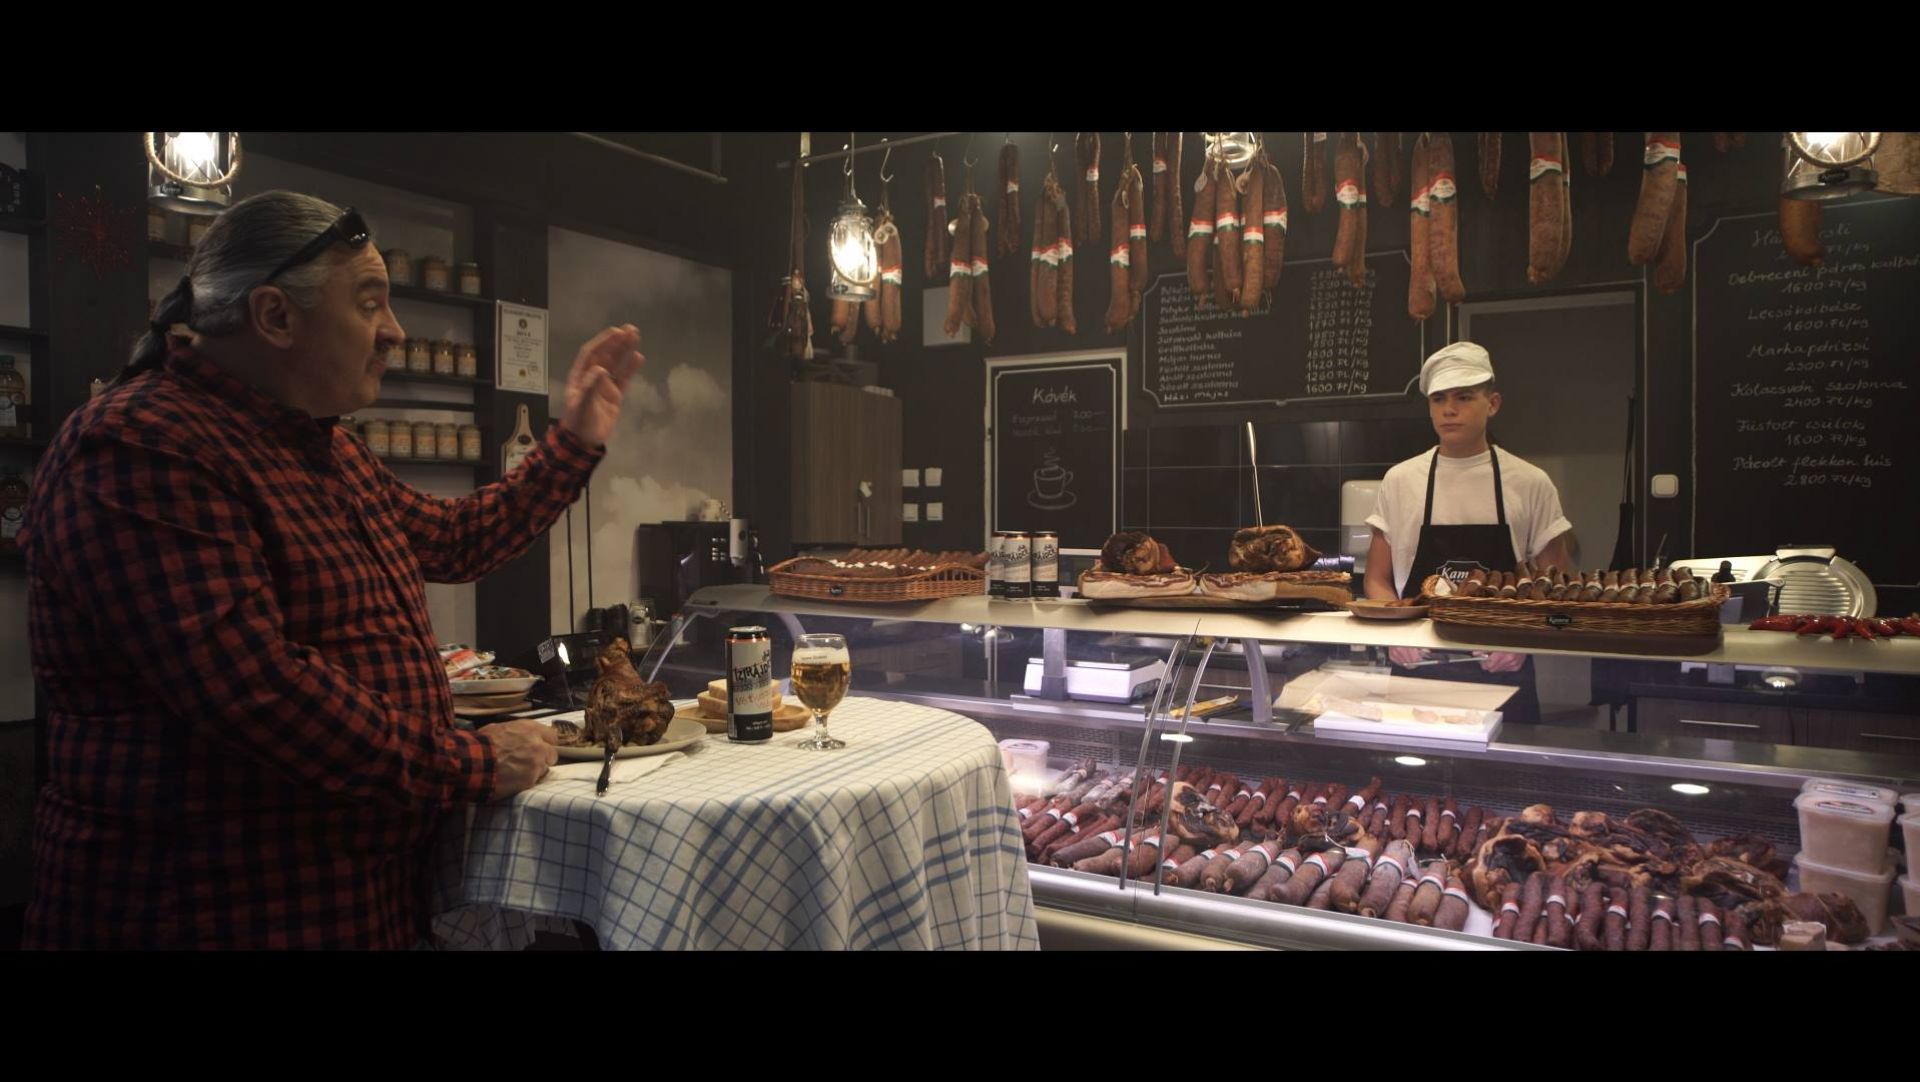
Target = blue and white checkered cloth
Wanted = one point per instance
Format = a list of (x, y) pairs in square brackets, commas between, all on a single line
[(905, 839)]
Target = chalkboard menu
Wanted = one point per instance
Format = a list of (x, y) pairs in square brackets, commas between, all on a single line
[(1805, 387), (1319, 337), (1054, 448)]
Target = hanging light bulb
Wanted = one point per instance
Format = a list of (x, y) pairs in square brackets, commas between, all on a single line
[(1829, 164), (851, 248), (192, 171), (1235, 148)]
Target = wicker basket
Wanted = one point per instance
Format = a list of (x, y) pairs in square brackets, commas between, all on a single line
[(947, 580), (1683, 619)]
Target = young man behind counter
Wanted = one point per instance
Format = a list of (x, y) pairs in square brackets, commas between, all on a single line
[(1464, 505)]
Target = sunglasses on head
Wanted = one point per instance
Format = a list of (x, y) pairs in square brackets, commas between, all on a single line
[(349, 229)]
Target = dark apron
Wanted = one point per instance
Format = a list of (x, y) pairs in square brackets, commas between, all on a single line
[(1455, 551)]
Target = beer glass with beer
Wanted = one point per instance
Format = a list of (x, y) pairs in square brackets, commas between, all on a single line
[(822, 670)]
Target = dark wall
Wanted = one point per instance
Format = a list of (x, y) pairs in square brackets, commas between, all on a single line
[(1185, 472)]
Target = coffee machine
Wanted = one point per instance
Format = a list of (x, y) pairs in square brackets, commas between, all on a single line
[(675, 559)]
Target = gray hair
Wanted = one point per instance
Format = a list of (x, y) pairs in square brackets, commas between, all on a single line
[(242, 247)]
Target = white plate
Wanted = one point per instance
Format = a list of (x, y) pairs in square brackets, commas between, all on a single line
[(494, 687), (681, 733), (491, 712)]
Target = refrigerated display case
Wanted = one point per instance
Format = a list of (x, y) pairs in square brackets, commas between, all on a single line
[(1122, 703)]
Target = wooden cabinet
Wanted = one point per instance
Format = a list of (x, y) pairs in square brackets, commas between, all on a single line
[(1705, 720), (844, 436), (1856, 730)]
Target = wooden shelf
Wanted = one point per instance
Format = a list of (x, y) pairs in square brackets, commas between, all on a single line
[(11, 333), (422, 404), (432, 296), (163, 250), (440, 462), (409, 376)]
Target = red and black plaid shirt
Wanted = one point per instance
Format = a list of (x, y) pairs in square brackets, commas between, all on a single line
[(250, 738)]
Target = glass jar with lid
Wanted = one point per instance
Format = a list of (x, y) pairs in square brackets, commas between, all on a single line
[(375, 434), (399, 266)]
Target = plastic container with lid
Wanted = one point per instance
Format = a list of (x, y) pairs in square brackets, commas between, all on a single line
[(1910, 803), (1852, 790), (1026, 761), (400, 440), (1843, 833), (469, 278), (1869, 892), (1910, 827), (425, 444), (419, 355), (446, 441), (444, 363), (1910, 891)]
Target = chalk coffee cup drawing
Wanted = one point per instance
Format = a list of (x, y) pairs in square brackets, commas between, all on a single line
[(1050, 485)]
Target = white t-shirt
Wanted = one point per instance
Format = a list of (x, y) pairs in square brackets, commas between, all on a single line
[(1463, 496)]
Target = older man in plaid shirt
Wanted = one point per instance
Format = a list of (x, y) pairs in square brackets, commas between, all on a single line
[(250, 734)]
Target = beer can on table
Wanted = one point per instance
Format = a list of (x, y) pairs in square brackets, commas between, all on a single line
[(1018, 566), (749, 685), (1046, 563), (997, 564)]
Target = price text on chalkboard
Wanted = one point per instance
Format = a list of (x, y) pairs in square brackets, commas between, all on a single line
[(1806, 388), (1320, 337)]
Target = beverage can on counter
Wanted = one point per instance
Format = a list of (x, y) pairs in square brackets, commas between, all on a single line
[(1018, 566), (1046, 564), (749, 685), (997, 564)]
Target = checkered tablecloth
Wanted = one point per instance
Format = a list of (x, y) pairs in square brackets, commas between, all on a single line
[(904, 839)]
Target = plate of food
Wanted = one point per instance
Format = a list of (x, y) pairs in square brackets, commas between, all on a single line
[(1273, 568), (1407, 608), (680, 733), (710, 708), (494, 680)]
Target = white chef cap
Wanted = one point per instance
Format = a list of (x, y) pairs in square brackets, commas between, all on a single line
[(1462, 364)]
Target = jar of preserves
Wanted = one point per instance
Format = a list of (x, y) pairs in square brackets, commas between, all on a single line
[(434, 274), (399, 266), (375, 434)]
